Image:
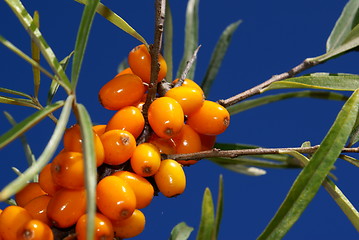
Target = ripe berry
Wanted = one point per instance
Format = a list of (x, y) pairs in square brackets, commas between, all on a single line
[(146, 159), (29, 192), (170, 178), (35, 230), (190, 99), (99, 129), (166, 146), (66, 206), (47, 182), (115, 198), (128, 118), (207, 141), (142, 188), (12, 220), (103, 228), (189, 83), (165, 116), (119, 146), (139, 60), (210, 119), (131, 226), (125, 71), (122, 91), (37, 208)]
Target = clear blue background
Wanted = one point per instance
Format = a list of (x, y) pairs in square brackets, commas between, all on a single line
[(274, 37)]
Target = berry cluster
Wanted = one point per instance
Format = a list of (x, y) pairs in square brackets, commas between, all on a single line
[(130, 172)]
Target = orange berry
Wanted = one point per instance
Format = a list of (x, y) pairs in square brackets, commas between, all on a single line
[(122, 91), (190, 99), (139, 60), (73, 143), (67, 170), (128, 118), (35, 230), (99, 129), (66, 206), (165, 116), (115, 198), (119, 146), (47, 182), (189, 83), (170, 178), (210, 119), (166, 146), (125, 71), (131, 226), (103, 228), (207, 141), (146, 159), (29, 192), (188, 141), (12, 220), (142, 188), (37, 208)]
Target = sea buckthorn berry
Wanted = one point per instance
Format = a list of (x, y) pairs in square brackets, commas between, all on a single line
[(166, 117), (131, 226), (29, 192), (190, 99), (189, 83), (170, 178), (128, 118), (37, 208), (115, 198), (142, 188), (210, 119), (103, 228), (207, 141), (146, 159), (66, 206), (119, 146), (73, 143), (139, 60), (67, 170), (122, 91), (166, 146), (125, 71), (188, 141), (12, 220), (47, 182), (35, 230), (99, 129)]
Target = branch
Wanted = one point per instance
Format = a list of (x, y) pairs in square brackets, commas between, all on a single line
[(306, 64), (187, 68)]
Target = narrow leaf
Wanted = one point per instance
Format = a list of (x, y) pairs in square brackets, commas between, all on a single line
[(350, 159), (241, 165), (10, 91), (219, 210), (207, 219), (217, 56), (168, 42), (191, 37), (122, 66), (35, 51), (181, 232), (311, 177), (28, 123), (17, 101)]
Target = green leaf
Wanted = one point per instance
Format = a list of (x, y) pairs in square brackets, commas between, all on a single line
[(249, 104), (207, 219), (116, 20), (81, 41), (217, 56), (311, 177), (239, 166), (35, 52), (191, 38), (350, 159), (28, 123), (10, 91), (17, 101), (35, 34), (181, 232), (168, 42), (329, 81), (90, 167), (219, 210), (45, 156)]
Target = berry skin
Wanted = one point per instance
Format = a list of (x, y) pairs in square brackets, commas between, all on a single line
[(190, 99), (210, 119), (66, 206), (119, 146), (29, 192), (166, 146), (166, 117), (67, 170), (47, 182), (146, 159), (128, 118), (190, 83), (131, 226), (207, 141), (99, 129), (122, 91), (142, 188), (37, 208), (115, 198), (170, 178), (73, 143), (139, 60), (125, 71), (12, 221), (35, 230), (103, 228)]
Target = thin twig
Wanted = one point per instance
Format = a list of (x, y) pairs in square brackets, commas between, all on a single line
[(306, 64), (188, 67)]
